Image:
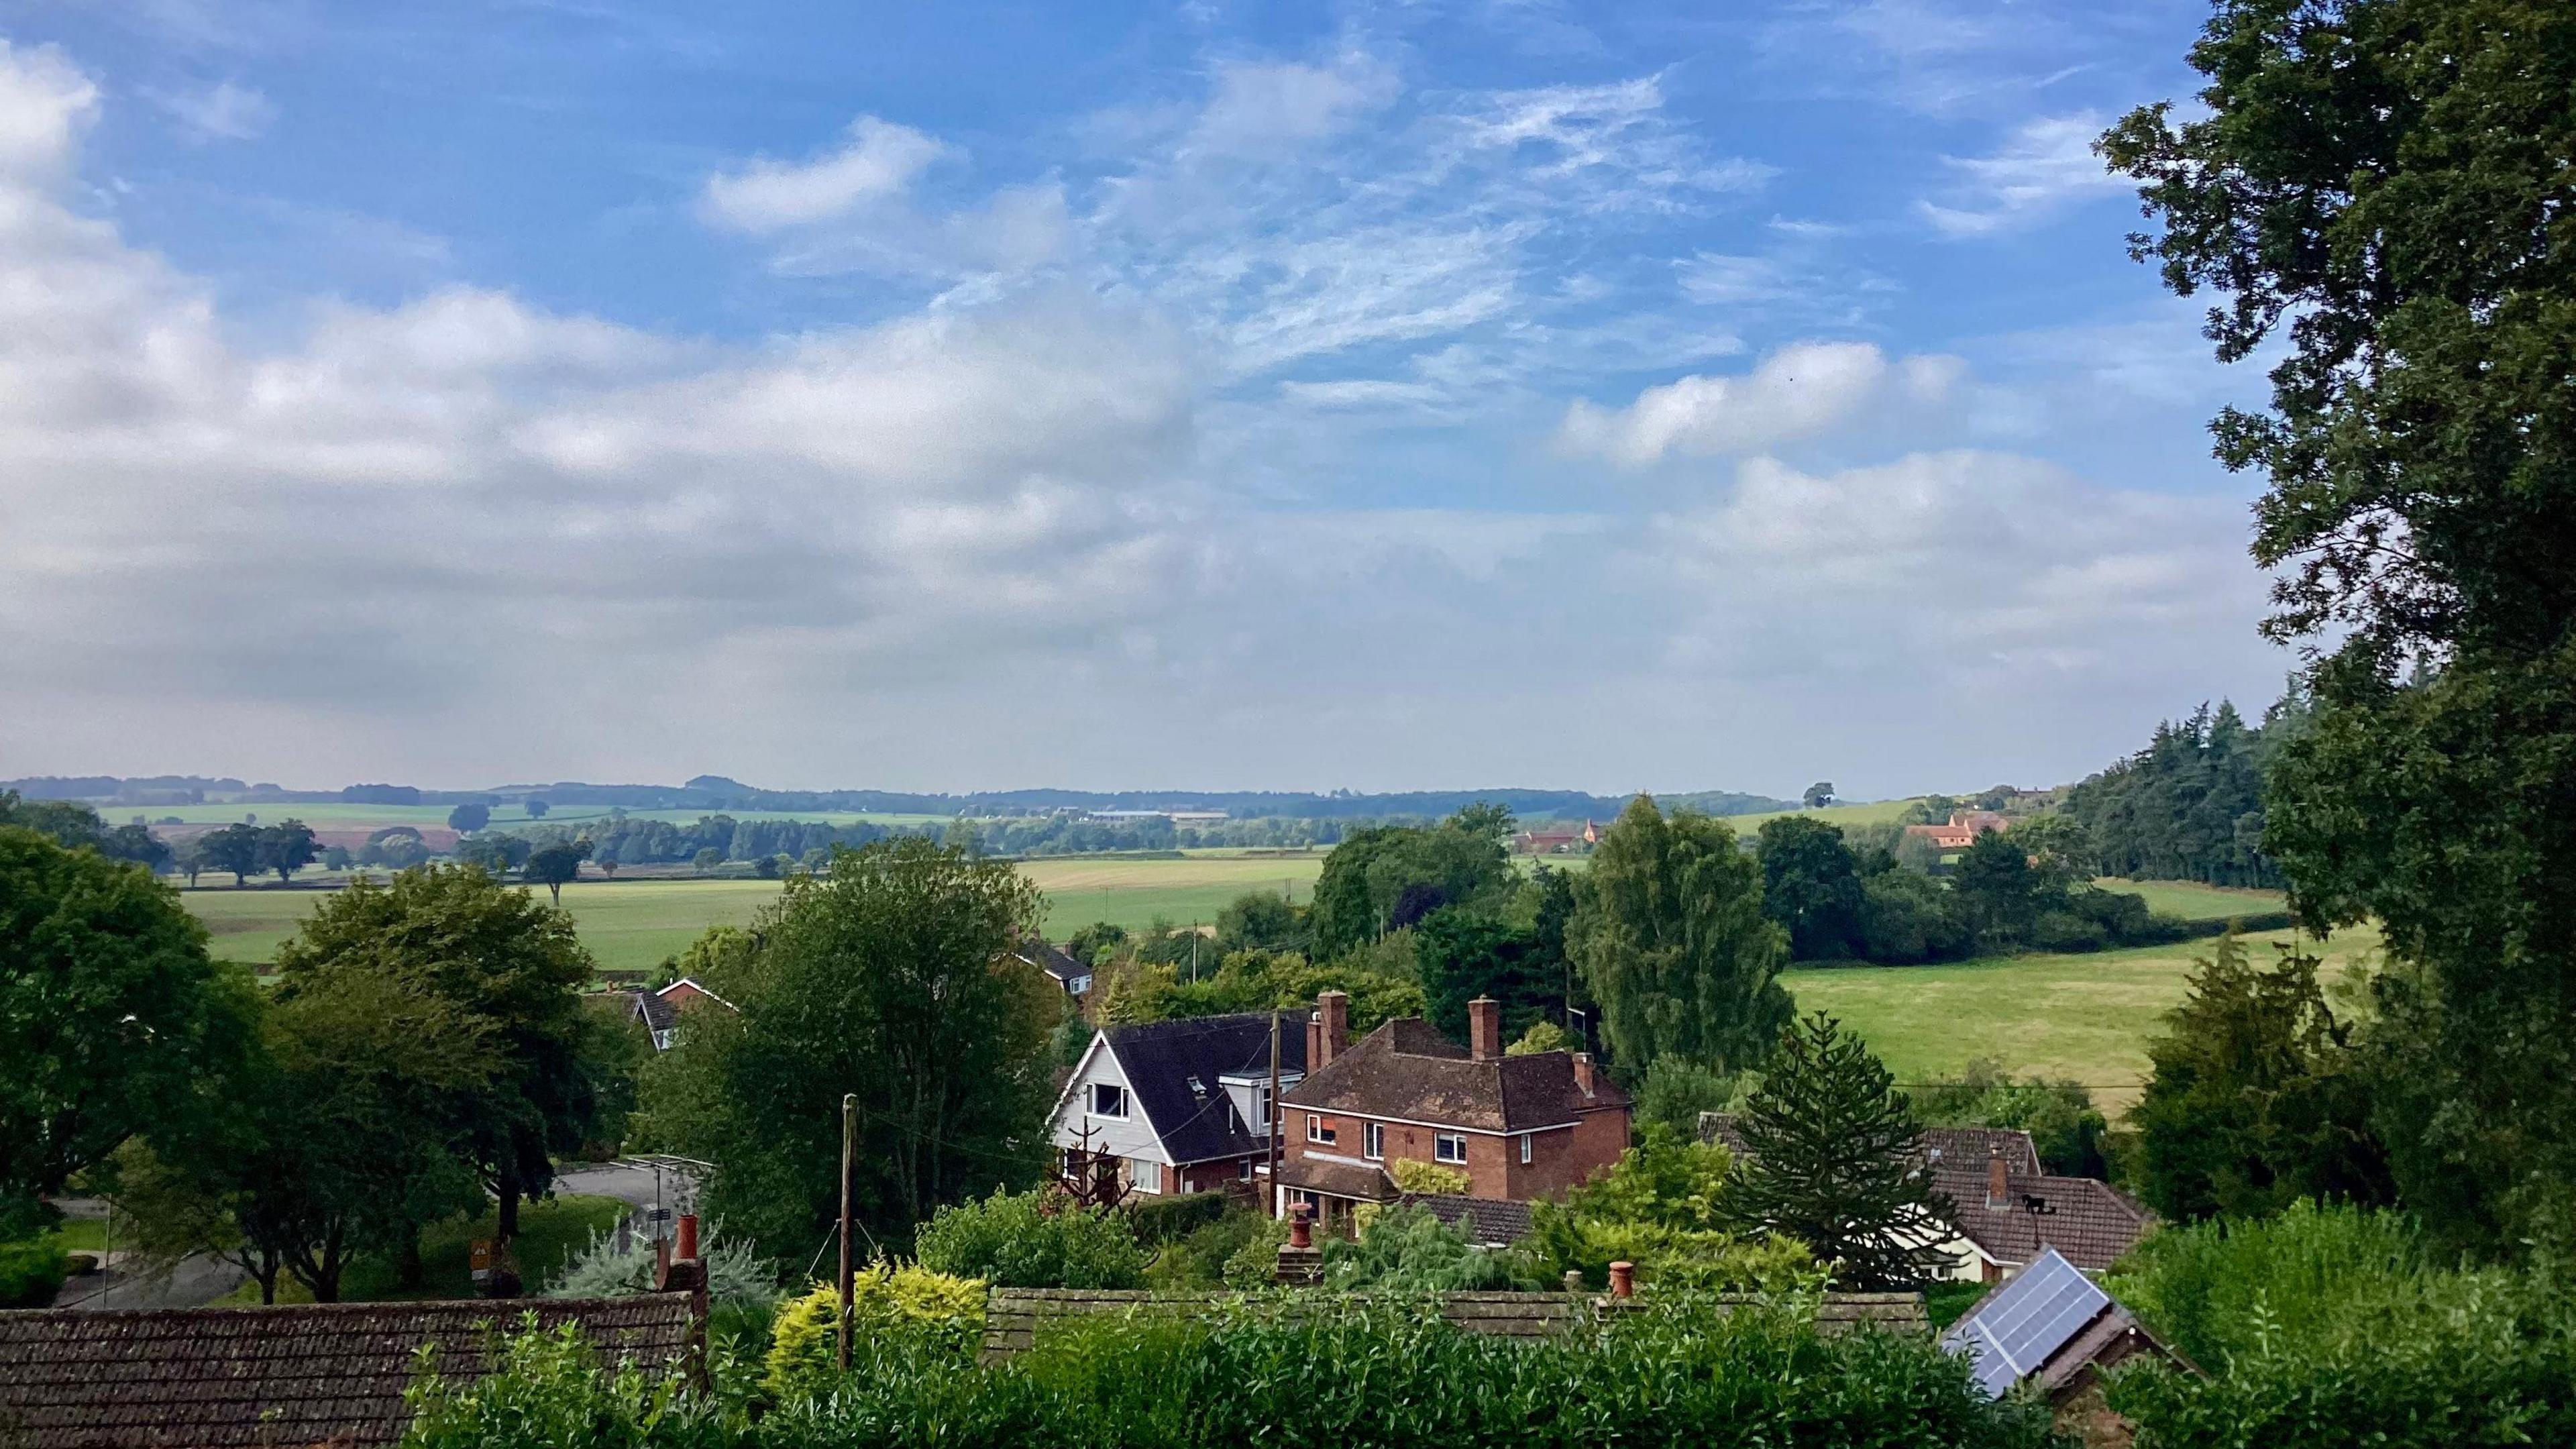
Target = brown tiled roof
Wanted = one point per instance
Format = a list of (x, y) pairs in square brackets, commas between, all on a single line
[(218, 1377), (1484, 1219), (1407, 1070), (2083, 1219), (1339, 1179), (2089, 1221)]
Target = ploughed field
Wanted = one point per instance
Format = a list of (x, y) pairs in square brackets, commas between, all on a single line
[(633, 924)]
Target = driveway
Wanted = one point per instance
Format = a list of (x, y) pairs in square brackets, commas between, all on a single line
[(637, 1184)]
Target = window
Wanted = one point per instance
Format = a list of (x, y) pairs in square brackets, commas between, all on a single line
[(1449, 1146), (1373, 1141), (1526, 1139), (1148, 1176), (1108, 1099), (1318, 1130)]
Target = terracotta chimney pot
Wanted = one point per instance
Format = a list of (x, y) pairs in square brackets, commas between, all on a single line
[(1623, 1280), (1301, 1233)]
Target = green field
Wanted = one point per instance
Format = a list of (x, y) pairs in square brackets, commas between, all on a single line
[(2085, 1018), (2196, 902), (336, 816), (1874, 812), (633, 925)]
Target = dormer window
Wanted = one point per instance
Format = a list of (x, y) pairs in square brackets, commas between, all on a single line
[(1108, 1099), (1198, 1089)]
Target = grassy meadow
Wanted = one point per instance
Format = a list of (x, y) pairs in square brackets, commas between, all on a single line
[(2083, 1018), (1873, 812), (633, 925)]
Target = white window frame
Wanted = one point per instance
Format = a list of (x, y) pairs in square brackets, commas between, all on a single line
[(1373, 1141), (1091, 1102), (1441, 1143), (1146, 1176), (1317, 1132), (1526, 1139)]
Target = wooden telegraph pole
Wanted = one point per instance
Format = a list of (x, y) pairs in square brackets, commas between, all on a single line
[(849, 1144), (1275, 1195)]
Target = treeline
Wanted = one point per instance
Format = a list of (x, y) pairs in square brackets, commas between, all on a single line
[(2190, 805)]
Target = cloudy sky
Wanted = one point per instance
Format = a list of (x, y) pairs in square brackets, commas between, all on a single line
[(964, 396)]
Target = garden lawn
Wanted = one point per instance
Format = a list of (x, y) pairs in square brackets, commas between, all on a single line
[(549, 1233), (2082, 1018)]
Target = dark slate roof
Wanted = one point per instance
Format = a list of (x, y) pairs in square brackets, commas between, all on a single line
[(658, 1012), (210, 1378), (1486, 1220), (2089, 1221), (1160, 1059), (1406, 1069), (1054, 961)]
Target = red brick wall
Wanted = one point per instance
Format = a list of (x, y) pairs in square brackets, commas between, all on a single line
[(1558, 1159)]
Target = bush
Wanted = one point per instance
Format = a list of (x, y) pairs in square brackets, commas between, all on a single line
[(736, 1275), (1256, 1263), (1414, 1175), (1406, 1249), (904, 1314), (1197, 1262), (31, 1272), (544, 1388), (2331, 1327), (1158, 1220), (1019, 1240)]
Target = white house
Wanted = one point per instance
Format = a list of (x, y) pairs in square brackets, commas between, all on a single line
[(1183, 1106)]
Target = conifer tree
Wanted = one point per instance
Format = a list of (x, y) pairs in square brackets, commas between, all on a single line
[(1831, 1160)]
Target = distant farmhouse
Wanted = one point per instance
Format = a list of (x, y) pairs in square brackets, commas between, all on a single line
[(1962, 831), (1559, 841)]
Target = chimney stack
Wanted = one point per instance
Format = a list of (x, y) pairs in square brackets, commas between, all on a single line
[(1332, 1029), (1998, 1180), (1484, 1029), (1583, 1074)]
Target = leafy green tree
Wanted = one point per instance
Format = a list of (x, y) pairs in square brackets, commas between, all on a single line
[(113, 1020), (469, 817), (1811, 885), (234, 848), (2257, 1100), (554, 865), (891, 979), (503, 961), (1384, 878), (1669, 934), (536, 809), (2377, 188), (1460, 956), (1831, 1148), (1676, 1090), (1096, 943), (1260, 920), (2187, 807), (286, 848), (1818, 795), (2000, 894), (707, 859), (495, 855)]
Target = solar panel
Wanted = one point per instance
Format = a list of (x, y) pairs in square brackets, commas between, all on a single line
[(2014, 1332)]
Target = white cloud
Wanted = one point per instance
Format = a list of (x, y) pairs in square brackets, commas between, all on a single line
[(1954, 561), (1796, 393), (1261, 106), (225, 111), (45, 103), (2046, 165), (880, 161)]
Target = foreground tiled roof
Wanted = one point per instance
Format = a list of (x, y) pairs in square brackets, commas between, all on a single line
[(1483, 1219), (1406, 1069), (216, 1378), (1337, 1179)]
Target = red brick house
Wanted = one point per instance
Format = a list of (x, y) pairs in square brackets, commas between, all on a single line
[(1521, 1127), (1962, 831)]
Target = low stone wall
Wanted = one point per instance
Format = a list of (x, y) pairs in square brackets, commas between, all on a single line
[(1014, 1317)]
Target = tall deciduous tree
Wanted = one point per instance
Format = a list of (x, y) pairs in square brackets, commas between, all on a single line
[(506, 963), (1833, 1161), (1811, 885), (286, 848), (1669, 933), (893, 979), (113, 1021), (2380, 188), (234, 848), (469, 817), (554, 865)]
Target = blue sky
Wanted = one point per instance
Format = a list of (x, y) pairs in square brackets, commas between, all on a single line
[(971, 396)]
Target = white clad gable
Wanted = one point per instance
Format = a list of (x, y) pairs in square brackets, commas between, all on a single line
[(1131, 1136)]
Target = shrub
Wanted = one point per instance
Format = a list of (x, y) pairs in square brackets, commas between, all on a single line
[(1158, 1220), (544, 1388), (898, 1313), (736, 1275), (1019, 1240), (1197, 1262), (1406, 1249), (1415, 1175), (2328, 1327), (1256, 1263), (31, 1272)]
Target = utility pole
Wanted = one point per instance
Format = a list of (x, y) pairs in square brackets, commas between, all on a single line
[(1274, 1113), (849, 1144)]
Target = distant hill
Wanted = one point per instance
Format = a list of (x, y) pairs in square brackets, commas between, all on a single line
[(718, 792)]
